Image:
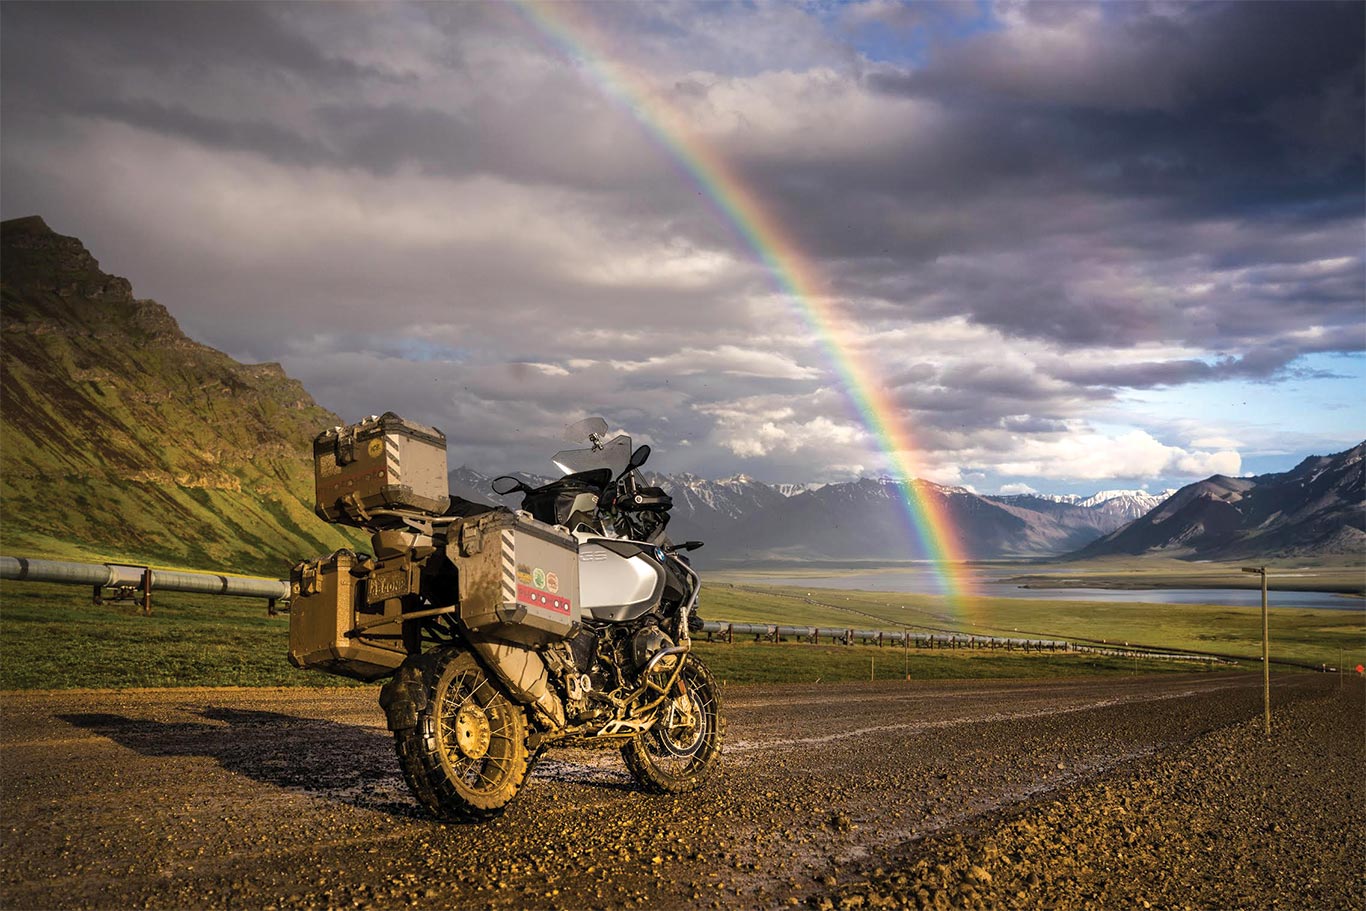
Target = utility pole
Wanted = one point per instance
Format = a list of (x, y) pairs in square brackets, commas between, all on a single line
[(1266, 652)]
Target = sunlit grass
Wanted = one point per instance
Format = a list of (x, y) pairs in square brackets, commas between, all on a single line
[(1309, 636)]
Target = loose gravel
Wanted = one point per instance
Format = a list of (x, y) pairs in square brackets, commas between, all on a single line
[(1233, 819), (1079, 793)]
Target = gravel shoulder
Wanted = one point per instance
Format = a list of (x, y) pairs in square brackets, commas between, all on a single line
[(291, 798), (1232, 819)]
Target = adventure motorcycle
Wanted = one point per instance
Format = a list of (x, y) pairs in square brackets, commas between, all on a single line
[(505, 631)]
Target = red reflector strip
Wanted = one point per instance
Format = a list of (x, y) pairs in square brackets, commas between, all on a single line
[(534, 597)]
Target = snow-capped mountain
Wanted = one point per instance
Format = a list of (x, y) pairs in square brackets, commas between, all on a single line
[(702, 508), (791, 490), (1123, 504), (728, 498), (1127, 504), (474, 486)]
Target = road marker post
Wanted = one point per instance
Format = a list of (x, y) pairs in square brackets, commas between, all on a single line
[(1266, 652)]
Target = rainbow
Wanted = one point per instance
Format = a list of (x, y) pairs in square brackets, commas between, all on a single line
[(795, 273)]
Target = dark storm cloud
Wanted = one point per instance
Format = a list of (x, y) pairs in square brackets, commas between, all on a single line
[(259, 78), (1266, 362), (173, 39), (262, 137), (1121, 145), (434, 202)]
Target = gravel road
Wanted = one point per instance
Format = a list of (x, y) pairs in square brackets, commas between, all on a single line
[(1108, 792)]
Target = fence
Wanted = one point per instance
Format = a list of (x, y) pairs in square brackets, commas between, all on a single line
[(725, 631), (771, 632)]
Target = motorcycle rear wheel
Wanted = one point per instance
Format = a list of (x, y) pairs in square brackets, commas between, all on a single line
[(467, 758), (675, 755)]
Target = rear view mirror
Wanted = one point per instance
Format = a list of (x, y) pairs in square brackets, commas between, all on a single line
[(507, 484), (640, 455)]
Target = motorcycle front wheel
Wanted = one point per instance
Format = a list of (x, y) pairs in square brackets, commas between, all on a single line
[(675, 755), (466, 758)]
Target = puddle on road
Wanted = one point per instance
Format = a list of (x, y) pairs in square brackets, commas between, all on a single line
[(750, 746), (592, 770), (934, 823)]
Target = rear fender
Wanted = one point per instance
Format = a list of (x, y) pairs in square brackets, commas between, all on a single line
[(405, 694)]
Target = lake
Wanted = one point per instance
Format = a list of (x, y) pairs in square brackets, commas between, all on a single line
[(987, 583)]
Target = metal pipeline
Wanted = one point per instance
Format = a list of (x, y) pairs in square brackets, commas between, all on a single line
[(116, 574), (773, 631)]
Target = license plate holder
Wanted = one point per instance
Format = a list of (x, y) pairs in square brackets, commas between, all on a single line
[(382, 586)]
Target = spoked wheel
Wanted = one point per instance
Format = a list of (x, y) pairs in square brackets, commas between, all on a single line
[(466, 758), (675, 754)]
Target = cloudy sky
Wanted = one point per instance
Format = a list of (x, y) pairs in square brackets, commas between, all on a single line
[(1076, 246)]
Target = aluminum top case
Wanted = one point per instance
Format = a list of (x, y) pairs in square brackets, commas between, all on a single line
[(383, 462)]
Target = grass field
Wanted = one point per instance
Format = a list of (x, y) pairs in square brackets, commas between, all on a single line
[(56, 639), (1308, 636)]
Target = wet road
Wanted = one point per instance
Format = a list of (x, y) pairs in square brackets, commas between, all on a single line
[(292, 797)]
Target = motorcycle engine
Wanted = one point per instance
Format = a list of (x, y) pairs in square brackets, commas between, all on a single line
[(647, 642)]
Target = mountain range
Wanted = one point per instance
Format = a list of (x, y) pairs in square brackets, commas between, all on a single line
[(747, 520), (125, 439)]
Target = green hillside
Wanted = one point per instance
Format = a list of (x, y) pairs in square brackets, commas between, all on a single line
[(124, 439)]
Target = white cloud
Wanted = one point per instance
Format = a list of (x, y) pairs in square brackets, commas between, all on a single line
[(1089, 455), (947, 475), (1204, 464), (755, 434), (727, 359), (1013, 489)]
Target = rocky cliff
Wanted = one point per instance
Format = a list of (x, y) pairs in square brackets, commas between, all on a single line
[(123, 438)]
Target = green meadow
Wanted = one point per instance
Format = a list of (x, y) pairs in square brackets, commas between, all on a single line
[(1305, 636), (57, 639)]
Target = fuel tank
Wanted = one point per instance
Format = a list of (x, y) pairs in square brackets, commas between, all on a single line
[(618, 580)]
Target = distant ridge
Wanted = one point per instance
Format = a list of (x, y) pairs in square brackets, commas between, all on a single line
[(1313, 510), (124, 437), (742, 519)]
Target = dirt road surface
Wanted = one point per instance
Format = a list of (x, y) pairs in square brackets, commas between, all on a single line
[(899, 795)]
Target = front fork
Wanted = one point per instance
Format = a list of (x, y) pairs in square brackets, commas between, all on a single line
[(685, 611)]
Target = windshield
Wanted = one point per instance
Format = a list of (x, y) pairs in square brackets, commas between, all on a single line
[(614, 454)]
